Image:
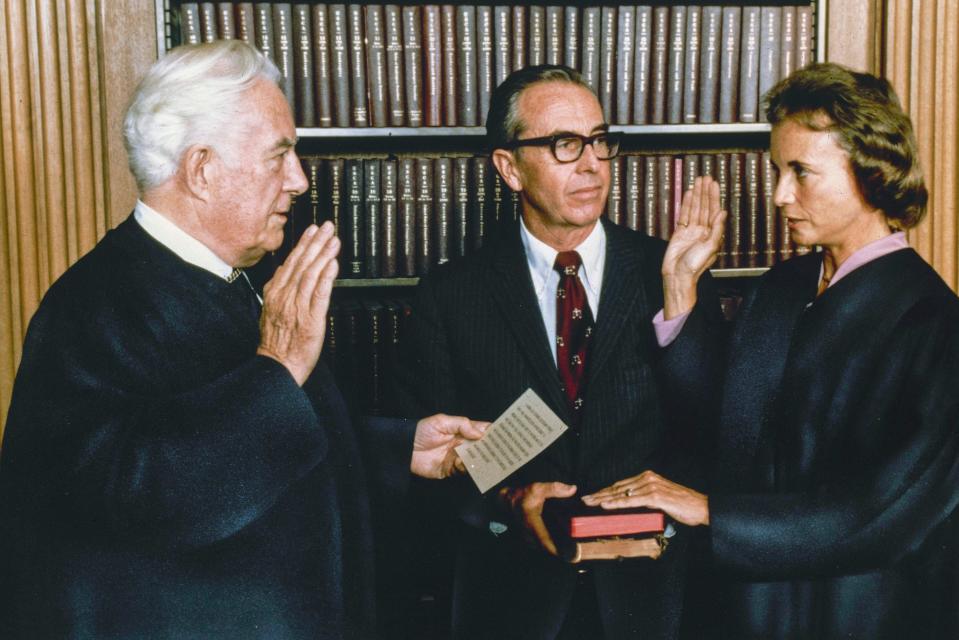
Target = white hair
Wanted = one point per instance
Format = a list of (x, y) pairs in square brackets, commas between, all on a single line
[(190, 96)]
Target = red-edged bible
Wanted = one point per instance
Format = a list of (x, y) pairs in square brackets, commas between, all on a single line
[(593, 533)]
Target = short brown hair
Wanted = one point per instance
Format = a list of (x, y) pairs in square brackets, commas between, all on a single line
[(864, 114)]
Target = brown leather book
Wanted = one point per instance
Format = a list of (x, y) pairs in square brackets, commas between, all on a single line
[(650, 195), (432, 66), (804, 36), (709, 57), (555, 42), (676, 64), (479, 179), (607, 62), (388, 211), (664, 196), (450, 81), (372, 205), (305, 106), (353, 236), (691, 71), (283, 52), (335, 190), (225, 24), (322, 74), (769, 53), (591, 533), (641, 64), (659, 66), (787, 50), (245, 29), (633, 187), (734, 235), (752, 212), (591, 38), (485, 68), (749, 65), (190, 30), (729, 65), (503, 42), (461, 208), (357, 54), (340, 65), (208, 30), (442, 209), (406, 217), (690, 172), (721, 173), (263, 29), (376, 65), (519, 29), (572, 36), (413, 64), (614, 202), (466, 115), (626, 39), (424, 215), (537, 35), (395, 80)]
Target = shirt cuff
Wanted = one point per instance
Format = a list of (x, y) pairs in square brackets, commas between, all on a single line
[(667, 330)]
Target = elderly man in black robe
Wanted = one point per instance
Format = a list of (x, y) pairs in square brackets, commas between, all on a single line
[(177, 464), (833, 513)]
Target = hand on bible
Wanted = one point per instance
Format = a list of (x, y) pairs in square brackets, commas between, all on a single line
[(653, 491), (295, 302), (693, 246), (526, 504), (434, 443)]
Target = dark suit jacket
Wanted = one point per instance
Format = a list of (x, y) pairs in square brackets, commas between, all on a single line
[(158, 479), (477, 341)]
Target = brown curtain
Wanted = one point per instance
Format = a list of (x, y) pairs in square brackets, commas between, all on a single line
[(921, 59)]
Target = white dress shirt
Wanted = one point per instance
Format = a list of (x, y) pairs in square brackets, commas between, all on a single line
[(188, 248), (540, 258)]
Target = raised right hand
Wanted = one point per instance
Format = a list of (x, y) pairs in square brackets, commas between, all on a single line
[(527, 502), (295, 302)]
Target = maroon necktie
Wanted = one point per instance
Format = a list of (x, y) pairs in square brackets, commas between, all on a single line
[(574, 326)]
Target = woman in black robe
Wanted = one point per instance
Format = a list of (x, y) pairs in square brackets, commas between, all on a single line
[(833, 507)]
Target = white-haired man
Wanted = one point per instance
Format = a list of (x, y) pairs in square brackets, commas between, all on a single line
[(176, 462)]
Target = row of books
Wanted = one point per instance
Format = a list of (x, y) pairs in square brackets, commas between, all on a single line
[(399, 217), (356, 65)]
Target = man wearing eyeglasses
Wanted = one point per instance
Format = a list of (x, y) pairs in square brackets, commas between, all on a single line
[(562, 302)]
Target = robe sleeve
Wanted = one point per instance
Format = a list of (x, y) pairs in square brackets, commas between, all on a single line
[(871, 515)]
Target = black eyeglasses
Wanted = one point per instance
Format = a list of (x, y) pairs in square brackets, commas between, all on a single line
[(568, 147)]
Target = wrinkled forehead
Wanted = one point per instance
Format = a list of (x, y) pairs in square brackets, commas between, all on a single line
[(550, 106)]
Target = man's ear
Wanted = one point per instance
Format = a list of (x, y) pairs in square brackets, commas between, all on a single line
[(198, 170), (505, 163)]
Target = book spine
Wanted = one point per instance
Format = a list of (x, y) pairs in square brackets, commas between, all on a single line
[(691, 73), (515, 209), (690, 172), (283, 50), (614, 202), (591, 47), (484, 61), (376, 65), (433, 67), (607, 61), (424, 215), (710, 47), (304, 65), (225, 23), (734, 236), (388, 210), (245, 23), (371, 355), (461, 207), (395, 80), (442, 209), (503, 41), (769, 53), (787, 50), (676, 65), (353, 224), (555, 49), (519, 37), (450, 89), (650, 195), (678, 173), (752, 213), (537, 36), (721, 173), (406, 217), (372, 217), (771, 248), (358, 87), (413, 64), (314, 172), (335, 185), (641, 68), (466, 66), (707, 165), (190, 30), (497, 196), (659, 64), (749, 65), (664, 196), (208, 21), (263, 29), (633, 186), (479, 174), (804, 36), (626, 38), (729, 65), (340, 59), (572, 37)]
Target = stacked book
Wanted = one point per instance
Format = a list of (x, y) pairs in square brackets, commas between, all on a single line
[(361, 65)]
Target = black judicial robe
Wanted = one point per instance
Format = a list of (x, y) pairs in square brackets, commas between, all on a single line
[(158, 479), (834, 510)]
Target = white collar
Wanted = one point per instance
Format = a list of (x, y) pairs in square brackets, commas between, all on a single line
[(541, 257), (188, 248)]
